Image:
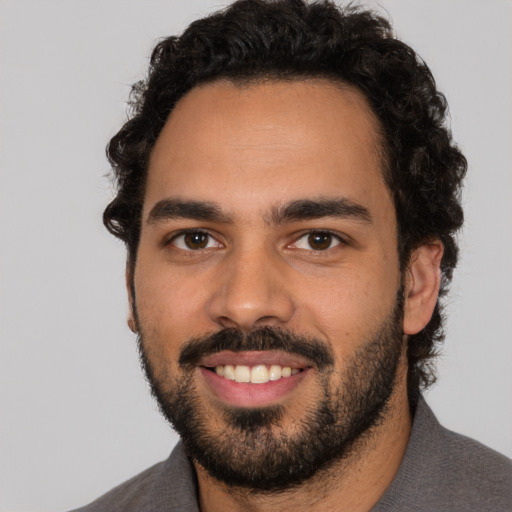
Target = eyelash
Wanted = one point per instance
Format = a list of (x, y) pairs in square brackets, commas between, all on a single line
[(334, 237), (321, 232), (192, 232)]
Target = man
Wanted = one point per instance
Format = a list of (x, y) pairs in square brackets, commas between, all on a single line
[(289, 195)]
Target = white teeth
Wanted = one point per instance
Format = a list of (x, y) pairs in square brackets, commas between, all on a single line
[(275, 372), (259, 374), (229, 372), (242, 373)]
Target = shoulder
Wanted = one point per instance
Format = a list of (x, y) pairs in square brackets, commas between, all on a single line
[(130, 495), (442, 470), (474, 472), (169, 485)]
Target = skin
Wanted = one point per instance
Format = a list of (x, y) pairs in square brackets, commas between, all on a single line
[(250, 150)]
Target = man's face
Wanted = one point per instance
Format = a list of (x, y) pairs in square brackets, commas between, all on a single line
[(268, 253)]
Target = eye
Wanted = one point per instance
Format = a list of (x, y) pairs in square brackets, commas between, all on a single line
[(194, 241), (317, 241)]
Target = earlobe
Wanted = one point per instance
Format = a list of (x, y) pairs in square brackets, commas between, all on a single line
[(131, 321), (422, 281)]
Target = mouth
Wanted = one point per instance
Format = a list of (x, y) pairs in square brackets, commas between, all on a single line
[(259, 374), (253, 379)]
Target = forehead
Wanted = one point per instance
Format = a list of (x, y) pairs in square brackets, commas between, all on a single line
[(267, 143)]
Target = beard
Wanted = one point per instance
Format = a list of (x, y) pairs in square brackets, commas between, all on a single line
[(251, 449)]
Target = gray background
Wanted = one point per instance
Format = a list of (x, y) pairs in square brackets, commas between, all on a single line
[(75, 414)]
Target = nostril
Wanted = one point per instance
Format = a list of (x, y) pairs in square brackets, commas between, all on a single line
[(268, 320), (225, 321)]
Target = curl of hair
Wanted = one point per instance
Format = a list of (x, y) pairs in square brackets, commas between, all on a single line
[(255, 40)]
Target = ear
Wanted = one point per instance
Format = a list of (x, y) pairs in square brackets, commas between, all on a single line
[(422, 281), (132, 322)]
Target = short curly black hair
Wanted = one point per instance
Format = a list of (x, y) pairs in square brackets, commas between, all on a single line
[(292, 39)]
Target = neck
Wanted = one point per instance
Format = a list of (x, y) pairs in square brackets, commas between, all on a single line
[(355, 483)]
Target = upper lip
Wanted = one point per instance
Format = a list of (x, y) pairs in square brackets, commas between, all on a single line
[(253, 358)]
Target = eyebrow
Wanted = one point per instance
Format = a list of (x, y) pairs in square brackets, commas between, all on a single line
[(308, 209), (169, 209), (300, 209)]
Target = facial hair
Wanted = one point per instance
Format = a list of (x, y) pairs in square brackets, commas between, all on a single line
[(251, 451)]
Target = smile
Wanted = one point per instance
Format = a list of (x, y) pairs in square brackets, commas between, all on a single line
[(253, 379), (259, 374)]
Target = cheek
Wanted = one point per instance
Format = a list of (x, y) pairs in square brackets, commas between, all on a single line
[(167, 307), (348, 309)]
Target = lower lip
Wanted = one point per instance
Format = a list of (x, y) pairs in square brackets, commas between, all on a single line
[(244, 394)]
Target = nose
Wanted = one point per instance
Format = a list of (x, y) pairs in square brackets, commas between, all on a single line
[(251, 292)]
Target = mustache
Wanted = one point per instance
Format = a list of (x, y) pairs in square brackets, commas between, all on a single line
[(265, 338)]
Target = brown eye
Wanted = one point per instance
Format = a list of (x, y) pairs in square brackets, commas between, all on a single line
[(320, 241), (194, 241), (317, 241)]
